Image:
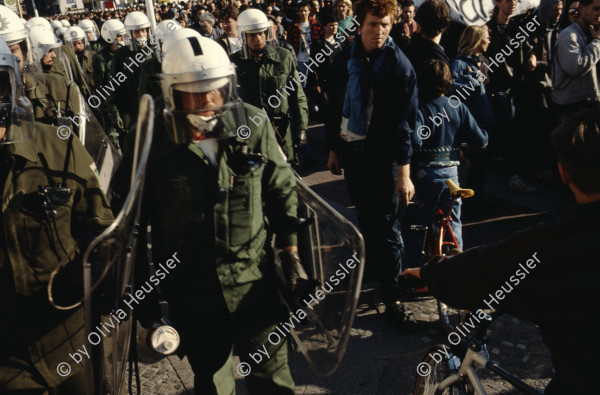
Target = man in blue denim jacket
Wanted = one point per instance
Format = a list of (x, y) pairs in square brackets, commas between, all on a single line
[(372, 114)]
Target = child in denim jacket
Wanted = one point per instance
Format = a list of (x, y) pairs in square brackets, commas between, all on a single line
[(443, 124)]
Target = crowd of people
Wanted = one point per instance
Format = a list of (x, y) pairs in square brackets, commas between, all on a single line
[(406, 95)]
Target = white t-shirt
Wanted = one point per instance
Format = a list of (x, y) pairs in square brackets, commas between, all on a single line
[(210, 147), (235, 44)]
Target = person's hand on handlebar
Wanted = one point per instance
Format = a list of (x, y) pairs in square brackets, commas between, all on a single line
[(415, 273)]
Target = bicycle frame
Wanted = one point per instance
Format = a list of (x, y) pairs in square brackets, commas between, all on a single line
[(467, 367), (443, 221)]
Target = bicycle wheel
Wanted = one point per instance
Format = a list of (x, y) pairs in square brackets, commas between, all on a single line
[(436, 366), (450, 318)]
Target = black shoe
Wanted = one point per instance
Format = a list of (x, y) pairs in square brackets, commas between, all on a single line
[(401, 317)]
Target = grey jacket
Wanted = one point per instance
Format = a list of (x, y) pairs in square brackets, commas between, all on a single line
[(575, 67)]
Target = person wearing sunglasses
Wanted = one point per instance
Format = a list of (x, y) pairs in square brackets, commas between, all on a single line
[(571, 13)]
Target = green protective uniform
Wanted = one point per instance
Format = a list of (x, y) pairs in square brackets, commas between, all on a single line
[(101, 62), (35, 338), (125, 68), (260, 82), (213, 218), (54, 93), (96, 46), (49, 96), (85, 61), (150, 78), (65, 54)]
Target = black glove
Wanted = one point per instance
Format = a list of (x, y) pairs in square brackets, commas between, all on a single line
[(297, 279), (302, 138)]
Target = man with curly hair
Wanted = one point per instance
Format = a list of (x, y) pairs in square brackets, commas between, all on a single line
[(373, 107)]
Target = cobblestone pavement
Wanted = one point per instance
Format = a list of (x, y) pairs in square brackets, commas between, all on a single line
[(379, 358)]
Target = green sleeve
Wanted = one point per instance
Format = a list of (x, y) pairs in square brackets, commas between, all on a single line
[(279, 191), (298, 102)]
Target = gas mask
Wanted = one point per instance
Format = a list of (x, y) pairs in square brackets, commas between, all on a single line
[(202, 123), (141, 41)]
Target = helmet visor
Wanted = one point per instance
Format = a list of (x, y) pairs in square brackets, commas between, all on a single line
[(256, 41), (204, 109)]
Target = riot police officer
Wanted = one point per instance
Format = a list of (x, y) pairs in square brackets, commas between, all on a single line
[(213, 176), (51, 201), (66, 64), (113, 32), (269, 80), (122, 104), (76, 38), (91, 34), (150, 69), (53, 98)]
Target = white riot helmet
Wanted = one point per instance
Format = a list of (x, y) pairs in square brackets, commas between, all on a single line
[(60, 33), (55, 25), (90, 29), (164, 28), (12, 28), (111, 29), (13, 31), (136, 20), (42, 42), (254, 21), (65, 23), (170, 31), (74, 34), (38, 21), (16, 112), (200, 91)]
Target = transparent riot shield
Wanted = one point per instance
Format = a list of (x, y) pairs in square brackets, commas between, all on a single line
[(69, 67), (109, 264), (332, 252), (97, 143), (64, 106)]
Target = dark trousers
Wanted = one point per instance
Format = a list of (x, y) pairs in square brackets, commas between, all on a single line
[(371, 184), (209, 332)]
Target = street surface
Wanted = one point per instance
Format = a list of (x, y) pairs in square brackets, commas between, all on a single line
[(379, 358)]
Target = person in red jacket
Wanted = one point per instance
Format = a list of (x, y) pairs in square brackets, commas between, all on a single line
[(302, 34)]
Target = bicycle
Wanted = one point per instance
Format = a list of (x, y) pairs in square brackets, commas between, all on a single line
[(455, 373), (444, 243)]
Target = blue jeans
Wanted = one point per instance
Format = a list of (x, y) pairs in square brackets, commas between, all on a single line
[(431, 192), (371, 184)]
